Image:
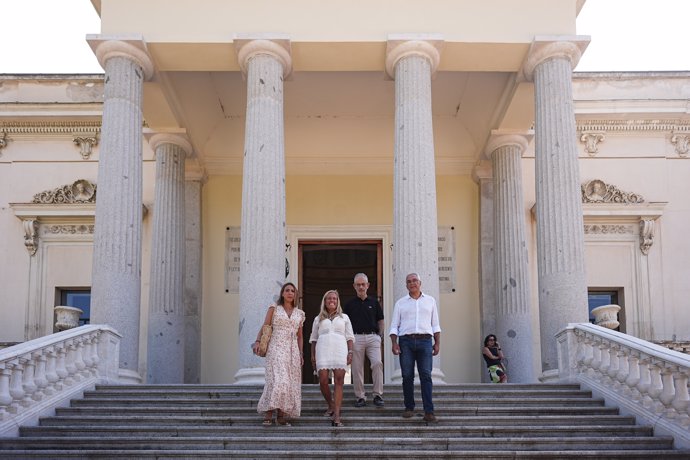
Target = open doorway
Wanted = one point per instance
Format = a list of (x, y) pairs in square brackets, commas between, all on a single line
[(326, 265)]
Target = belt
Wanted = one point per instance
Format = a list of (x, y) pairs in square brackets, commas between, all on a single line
[(418, 336)]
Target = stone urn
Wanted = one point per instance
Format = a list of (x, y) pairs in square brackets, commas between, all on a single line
[(606, 316), (67, 317)]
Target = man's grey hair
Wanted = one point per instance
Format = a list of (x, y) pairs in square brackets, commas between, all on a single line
[(361, 275), (415, 274)]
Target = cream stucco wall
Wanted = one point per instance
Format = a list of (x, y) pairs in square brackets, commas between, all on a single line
[(328, 201)]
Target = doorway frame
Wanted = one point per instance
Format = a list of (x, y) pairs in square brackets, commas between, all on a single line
[(345, 234)]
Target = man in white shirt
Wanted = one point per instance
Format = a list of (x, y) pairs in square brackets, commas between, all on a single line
[(416, 336)]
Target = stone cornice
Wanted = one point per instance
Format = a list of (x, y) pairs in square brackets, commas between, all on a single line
[(675, 126), (30, 128)]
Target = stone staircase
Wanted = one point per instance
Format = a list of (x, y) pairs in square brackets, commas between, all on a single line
[(220, 421)]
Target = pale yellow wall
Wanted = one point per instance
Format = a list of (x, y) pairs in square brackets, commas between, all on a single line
[(341, 201)]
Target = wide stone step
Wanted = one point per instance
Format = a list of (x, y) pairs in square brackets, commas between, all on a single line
[(259, 454), (74, 417), (388, 411), (439, 401), (409, 430), (335, 441)]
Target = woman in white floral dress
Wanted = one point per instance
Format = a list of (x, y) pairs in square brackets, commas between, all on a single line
[(284, 359), (331, 350)]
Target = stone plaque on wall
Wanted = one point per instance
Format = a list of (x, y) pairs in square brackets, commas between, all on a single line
[(232, 259), (446, 259)]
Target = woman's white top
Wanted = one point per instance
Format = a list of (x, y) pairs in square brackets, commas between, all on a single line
[(331, 338)]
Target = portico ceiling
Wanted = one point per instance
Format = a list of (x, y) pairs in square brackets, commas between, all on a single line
[(335, 122)]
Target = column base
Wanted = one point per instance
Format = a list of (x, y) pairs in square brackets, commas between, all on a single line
[(128, 377), (437, 376), (250, 376)]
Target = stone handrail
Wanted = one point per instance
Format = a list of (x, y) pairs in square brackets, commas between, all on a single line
[(643, 379), (41, 374)]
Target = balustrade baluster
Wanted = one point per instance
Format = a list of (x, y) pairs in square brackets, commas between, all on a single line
[(681, 399), (79, 359), (623, 366), (589, 355), (40, 377), (668, 392), (28, 381), (633, 375), (69, 363), (656, 386), (16, 387), (605, 361), (95, 341), (87, 358), (613, 366), (5, 396), (51, 371), (60, 369)]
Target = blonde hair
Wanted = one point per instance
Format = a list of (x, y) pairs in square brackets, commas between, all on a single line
[(324, 311)]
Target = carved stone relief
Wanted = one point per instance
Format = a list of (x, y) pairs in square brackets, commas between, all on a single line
[(646, 235), (86, 144), (3, 141), (608, 229), (68, 229), (598, 191), (682, 144), (30, 235), (591, 141), (81, 191)]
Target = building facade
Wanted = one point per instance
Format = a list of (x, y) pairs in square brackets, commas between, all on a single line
[(227, 150)]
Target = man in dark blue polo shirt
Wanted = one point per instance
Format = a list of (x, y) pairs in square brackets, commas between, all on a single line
[(366, 316)]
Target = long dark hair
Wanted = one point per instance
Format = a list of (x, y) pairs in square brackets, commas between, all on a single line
[(490, 336), (281, 299)]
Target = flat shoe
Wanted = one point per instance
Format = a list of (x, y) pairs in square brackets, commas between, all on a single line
[(338, 424), (328, 413)]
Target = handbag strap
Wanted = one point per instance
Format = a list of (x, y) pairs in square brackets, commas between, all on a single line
[(271, 310)]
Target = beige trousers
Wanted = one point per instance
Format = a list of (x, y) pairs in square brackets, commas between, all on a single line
[(368, 345)]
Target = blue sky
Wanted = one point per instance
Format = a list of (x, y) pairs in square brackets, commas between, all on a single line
[(626, 35)]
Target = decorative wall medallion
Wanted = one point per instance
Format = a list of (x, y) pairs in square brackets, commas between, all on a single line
[(86, 143), (682, 144), (598, 191), (81, 191), (607, 229), (591, 141)]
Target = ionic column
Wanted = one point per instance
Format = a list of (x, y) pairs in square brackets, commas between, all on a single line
[(262, 245), (116, 278), (560, 239), (511, 272), (195, 177), (411, 64), (166, 344)]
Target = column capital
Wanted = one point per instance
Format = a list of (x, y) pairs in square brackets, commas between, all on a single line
[(502, 137), (275, 46), (482, 171), (399, 46), (173, 136), (549, 46), (132, 47)]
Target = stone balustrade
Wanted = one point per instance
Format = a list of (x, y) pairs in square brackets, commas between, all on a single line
[(643, 379), (39, 375)]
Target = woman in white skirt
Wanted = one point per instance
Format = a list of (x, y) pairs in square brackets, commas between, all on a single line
[(331, 350)]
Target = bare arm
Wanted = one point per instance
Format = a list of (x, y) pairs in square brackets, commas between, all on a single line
[(437, 343)]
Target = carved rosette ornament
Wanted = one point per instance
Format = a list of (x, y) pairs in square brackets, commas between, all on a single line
[(598, 191), (591, 141), (81, 191), (682, 144)]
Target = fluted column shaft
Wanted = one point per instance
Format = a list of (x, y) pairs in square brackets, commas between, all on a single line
[(513, 319), (116, 279), (262, 245), (415, 227), (165, 351), (560, 237)]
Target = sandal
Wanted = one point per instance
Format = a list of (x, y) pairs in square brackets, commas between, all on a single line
[(328, 413), (283, 421), (267, 422), (337, 424)]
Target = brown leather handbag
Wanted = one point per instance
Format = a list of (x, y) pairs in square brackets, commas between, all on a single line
[(266, 331)]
